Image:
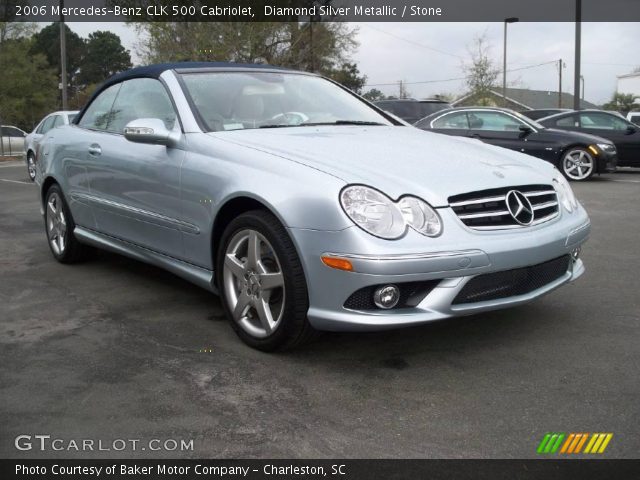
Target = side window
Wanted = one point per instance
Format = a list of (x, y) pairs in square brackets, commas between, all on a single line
[(568, 121), (602, 121), (141, 98), (97, 115), (59, 121), (495, 121), (456, 120), (46, 125), (13, 132)]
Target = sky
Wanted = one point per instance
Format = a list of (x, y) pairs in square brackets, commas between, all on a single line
[(430, 52)]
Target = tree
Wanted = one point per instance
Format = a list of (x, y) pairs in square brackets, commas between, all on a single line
[(349, 76), (104, 56), (374, 95), (481, 73), (28, 85), (47, 43), (311, 46), (623, 102)]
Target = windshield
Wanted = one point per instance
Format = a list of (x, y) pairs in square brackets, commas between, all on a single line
[(248, 100)]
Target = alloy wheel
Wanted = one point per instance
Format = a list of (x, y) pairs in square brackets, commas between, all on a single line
[(56, 224), (253, 283), (31, 166), (578, 164)]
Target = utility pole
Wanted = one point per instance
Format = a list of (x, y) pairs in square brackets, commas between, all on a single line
[(313, 66), (504, 59), (63, 58), (576, 72), (560, 83)]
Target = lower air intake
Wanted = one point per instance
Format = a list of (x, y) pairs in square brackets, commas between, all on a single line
[(510, 283)]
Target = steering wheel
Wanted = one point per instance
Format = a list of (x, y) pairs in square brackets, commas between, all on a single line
[(290, 118)]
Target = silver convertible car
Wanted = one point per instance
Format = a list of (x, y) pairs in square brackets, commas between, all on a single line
[(304, 206)]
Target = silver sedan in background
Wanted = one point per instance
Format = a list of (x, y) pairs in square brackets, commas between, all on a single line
[(304, 206), (53, 120)]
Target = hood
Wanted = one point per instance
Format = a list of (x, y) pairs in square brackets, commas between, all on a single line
[(398, 160), (576, 136)]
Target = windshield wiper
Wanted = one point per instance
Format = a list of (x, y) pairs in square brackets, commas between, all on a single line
[(344, 122), (277, 125)]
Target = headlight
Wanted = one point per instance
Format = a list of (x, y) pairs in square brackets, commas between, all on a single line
[(607, 147), (420, 216), (565, 193), (378, 215)]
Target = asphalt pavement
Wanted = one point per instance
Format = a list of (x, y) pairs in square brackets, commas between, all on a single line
[(115, 349)]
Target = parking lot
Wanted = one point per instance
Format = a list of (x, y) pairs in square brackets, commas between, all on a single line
[(115, 349)]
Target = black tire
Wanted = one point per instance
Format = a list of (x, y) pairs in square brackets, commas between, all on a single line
[(293, 328), (584, 157), (31, 165), (73, 251)]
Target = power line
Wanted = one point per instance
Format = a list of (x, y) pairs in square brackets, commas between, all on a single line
[(427, 47), (458, 78)]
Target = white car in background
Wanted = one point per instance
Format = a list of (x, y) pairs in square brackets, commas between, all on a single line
[(11, 141), (53, 120), (634, 117)]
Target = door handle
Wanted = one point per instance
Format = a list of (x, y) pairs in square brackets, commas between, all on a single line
[(95, 150), (475, 135)]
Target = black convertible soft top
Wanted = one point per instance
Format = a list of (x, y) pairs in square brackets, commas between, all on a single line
[(154, 71)]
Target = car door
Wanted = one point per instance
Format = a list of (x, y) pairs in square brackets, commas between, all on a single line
[(12, 140), (135, 188), (451, 123), (496, 128), (625, 135)]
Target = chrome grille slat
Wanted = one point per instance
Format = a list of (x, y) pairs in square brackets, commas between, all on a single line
[(544, 205), (484, 214), (487, 209)]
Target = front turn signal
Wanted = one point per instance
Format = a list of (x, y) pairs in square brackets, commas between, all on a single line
[(337, 263)]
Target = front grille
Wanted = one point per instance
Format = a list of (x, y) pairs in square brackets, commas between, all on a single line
[(411, 294), (487, 209), (510, 283)]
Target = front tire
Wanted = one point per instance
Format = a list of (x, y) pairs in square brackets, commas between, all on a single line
[(578, 164), (59, 228), (262, 283), (31, 166)]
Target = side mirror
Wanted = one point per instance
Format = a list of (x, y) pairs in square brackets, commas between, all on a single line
[(150, 130), (525, 129), (631, 129)]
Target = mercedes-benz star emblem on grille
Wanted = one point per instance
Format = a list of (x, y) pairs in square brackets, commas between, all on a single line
[(519, 207)]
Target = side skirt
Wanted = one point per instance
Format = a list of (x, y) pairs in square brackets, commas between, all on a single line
[(201, 277)]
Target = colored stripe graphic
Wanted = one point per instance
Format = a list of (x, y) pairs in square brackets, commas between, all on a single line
[(550, 443), (598, 442), (573, 443)]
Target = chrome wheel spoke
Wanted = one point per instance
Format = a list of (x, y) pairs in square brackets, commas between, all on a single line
[(240, 310), (234, 264), (253, 250), (264, 314), (270, 281)]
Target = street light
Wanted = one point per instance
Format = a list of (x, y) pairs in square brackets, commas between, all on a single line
[(504, 58)]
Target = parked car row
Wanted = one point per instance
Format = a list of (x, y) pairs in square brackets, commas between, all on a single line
[(576, 154), (301, 204)]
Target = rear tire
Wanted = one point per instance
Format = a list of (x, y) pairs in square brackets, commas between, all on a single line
[(262, 283), (59, 227), (31, 166), (578, 164)]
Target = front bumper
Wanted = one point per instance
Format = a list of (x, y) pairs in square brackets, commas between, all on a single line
[(607, 162), (452, 259)]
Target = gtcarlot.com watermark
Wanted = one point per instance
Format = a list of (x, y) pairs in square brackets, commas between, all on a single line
[(48, 443)]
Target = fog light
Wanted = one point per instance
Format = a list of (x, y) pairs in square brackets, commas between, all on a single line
[(386, 297), (575, 253)]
